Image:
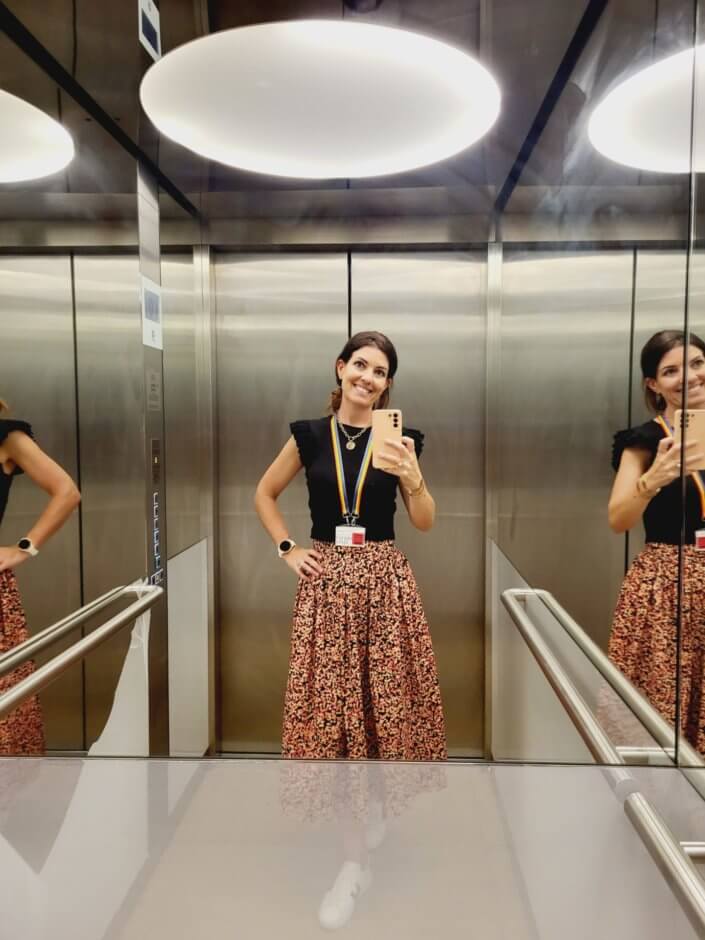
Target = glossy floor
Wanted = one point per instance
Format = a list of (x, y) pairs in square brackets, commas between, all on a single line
[(128, 849)]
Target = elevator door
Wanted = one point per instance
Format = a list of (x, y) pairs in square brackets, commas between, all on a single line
[(281, 321)]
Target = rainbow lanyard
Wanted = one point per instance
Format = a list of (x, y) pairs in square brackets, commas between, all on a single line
[(696, 474), (350, 517)]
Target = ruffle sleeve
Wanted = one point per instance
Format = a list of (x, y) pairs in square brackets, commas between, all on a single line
[(305, 441), (10, 424), (417, 438), (644, 437)]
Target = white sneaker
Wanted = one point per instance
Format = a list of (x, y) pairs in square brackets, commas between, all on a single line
[(338, 904)]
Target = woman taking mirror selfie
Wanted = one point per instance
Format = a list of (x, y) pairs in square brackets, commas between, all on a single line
[(22, 732), (648, 487), (362, 674)]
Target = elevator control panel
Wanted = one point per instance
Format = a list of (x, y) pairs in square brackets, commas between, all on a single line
[(158, 575)]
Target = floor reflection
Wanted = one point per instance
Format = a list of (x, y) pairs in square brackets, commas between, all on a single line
[(132, 849)]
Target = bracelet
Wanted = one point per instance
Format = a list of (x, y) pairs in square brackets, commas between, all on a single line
[(418, 491), (643, 489)]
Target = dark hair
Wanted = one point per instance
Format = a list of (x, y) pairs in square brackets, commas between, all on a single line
[(652, 354), (359, 341)]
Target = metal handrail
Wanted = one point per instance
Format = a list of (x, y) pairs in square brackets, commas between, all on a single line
[(590, 730), (650, 718), (35, 644), (667, 852), (44, 676)]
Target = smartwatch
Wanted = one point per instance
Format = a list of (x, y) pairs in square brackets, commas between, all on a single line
[(285, 546), (27, 545)]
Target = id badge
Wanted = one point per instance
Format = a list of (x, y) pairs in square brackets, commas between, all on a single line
[(700, 540), (350, 536)]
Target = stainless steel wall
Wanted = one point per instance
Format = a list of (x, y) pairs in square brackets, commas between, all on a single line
[(183, 509), (281, 321), (110, 395), (432, 306), (189, 398), (37, 378)]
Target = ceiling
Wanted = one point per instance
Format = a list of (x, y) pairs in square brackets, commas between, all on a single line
[(522, 41)]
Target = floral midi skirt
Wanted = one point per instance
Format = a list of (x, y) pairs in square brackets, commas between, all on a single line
[(643, 641), (22, 731), (362, 675)]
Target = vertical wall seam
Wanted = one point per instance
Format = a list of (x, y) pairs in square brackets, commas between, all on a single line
[(77, 407), (630, 375)]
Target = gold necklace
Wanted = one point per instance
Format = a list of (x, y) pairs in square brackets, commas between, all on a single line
[(351, 439)]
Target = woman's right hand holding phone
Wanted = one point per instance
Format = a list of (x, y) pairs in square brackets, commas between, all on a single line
[(667, 464)]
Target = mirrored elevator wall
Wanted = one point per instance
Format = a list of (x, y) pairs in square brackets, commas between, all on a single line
[(569, 323), (572, 326), (281, 321), (70, 365)]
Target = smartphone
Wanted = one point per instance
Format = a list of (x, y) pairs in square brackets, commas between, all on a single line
[(694, 423), (386, 425)]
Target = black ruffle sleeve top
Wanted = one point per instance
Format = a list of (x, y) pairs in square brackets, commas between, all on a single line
[(7, 425), (662, 516), (378, 497)]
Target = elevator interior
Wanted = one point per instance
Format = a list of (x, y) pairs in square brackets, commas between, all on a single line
[(518, 304), (519, 281)]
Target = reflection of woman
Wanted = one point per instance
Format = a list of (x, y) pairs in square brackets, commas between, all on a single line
[(643, 639), (357, 797), (362, 675), (21, 732)]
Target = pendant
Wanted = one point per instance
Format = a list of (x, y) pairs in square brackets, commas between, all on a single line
[(350, 445)]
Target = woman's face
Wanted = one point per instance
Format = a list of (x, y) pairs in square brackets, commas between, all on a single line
[(364, 377), (669, 378)]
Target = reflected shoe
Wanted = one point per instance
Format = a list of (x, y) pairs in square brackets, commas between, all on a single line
[(375, 827), (338, 904)]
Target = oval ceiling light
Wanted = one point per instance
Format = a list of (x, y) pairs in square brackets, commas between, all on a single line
[(33, 144), (320, 99), (645, 122)]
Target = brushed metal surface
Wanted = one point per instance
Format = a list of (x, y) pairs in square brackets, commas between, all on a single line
[(152, 361), (566, 321), (204, 292), (37, 378), (111, 419), (281, 321), (493, 328), (432, 306), (182, 427)]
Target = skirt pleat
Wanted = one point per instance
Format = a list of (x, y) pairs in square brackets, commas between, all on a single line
[(22, 731), (362, 675)]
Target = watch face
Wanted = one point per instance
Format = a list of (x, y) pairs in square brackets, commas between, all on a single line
[(285, 546), (24, 544)]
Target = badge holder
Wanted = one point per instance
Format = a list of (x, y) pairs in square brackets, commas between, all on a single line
[(350, 535)]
